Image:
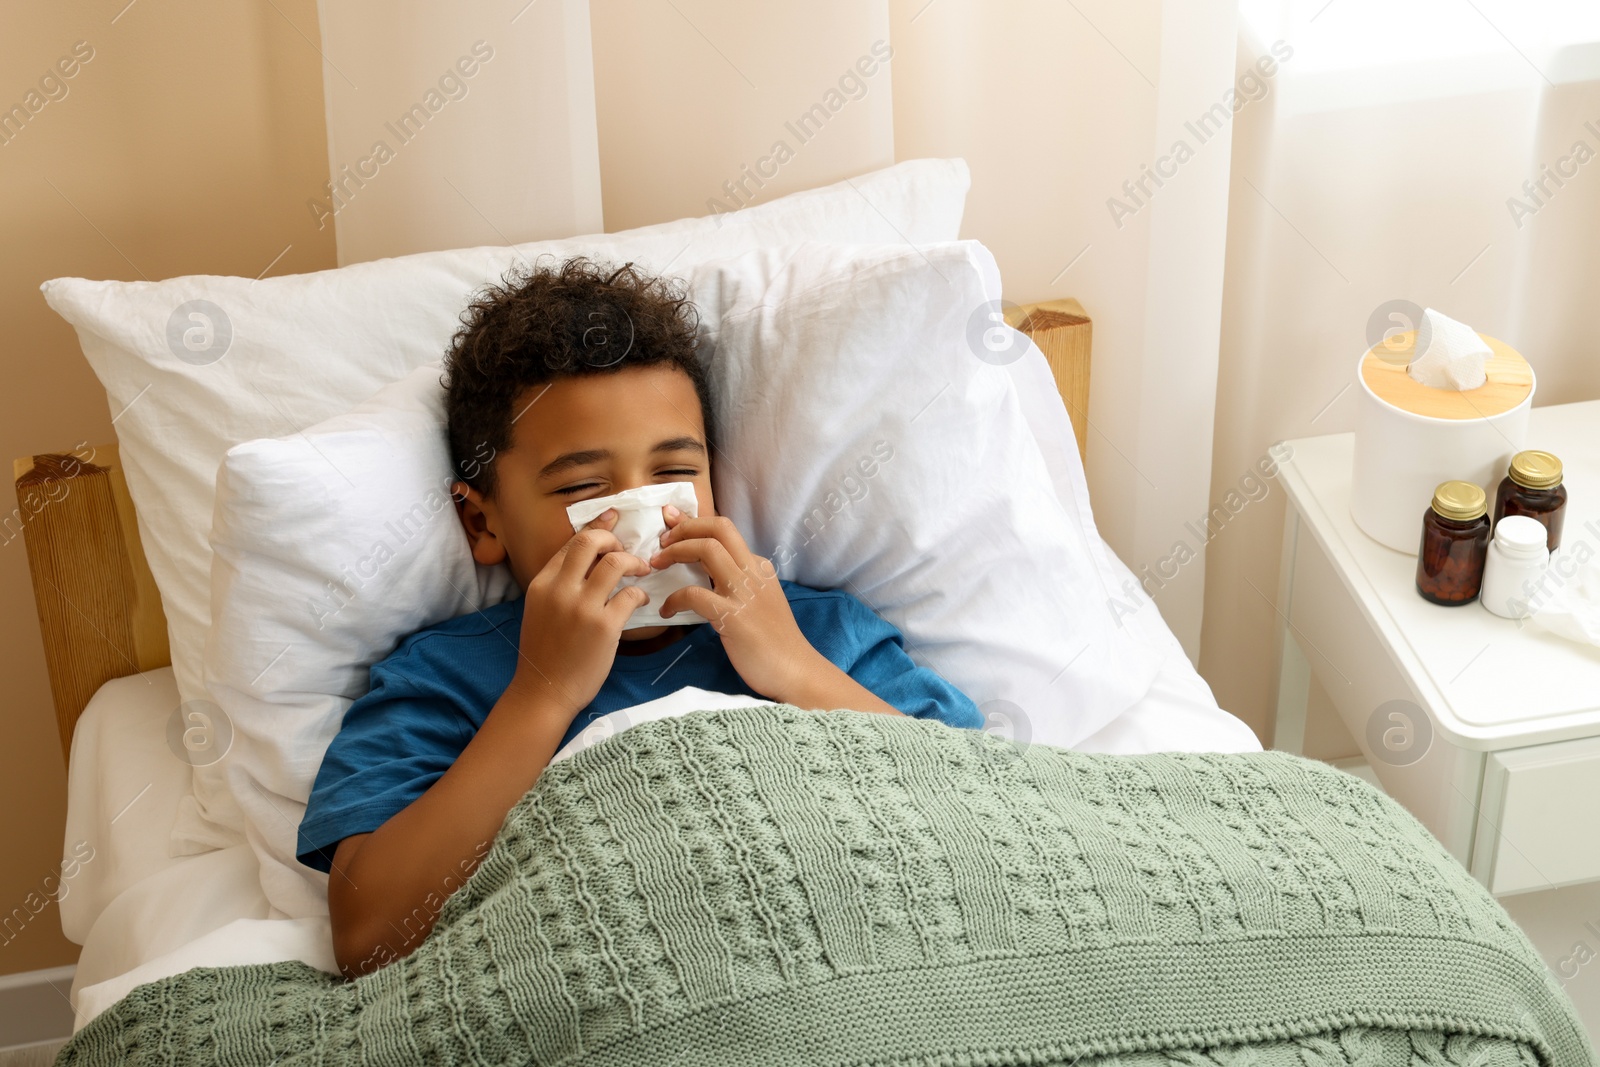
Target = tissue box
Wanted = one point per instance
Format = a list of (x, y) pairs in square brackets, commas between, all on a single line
[(1410, 437)]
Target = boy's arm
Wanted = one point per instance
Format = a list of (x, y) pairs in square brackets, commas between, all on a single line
[(819, 683), (387, 888), (748, 609)]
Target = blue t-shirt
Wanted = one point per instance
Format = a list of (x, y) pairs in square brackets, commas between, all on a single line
[(431, 694)]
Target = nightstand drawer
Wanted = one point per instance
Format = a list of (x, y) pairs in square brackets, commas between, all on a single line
[(1537, 818)]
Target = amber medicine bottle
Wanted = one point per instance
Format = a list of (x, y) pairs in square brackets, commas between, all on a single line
[(1533, 488), (1455, 543)]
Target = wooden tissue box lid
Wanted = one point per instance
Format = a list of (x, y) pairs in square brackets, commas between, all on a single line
[(1510, 380)]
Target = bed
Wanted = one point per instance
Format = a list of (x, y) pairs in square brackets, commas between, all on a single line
[(125, 788), (176, 908)]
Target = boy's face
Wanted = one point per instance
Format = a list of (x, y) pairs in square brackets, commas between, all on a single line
[(581, 437)]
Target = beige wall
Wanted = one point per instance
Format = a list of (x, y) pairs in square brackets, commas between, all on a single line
[(188, 144), (690, 94)]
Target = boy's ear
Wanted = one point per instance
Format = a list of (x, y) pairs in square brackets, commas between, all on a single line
[(474, 512)]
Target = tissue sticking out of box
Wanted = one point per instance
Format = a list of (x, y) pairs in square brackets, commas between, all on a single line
[(1449, 354)]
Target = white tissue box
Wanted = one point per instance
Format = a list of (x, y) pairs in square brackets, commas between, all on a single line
[(1410, 437)]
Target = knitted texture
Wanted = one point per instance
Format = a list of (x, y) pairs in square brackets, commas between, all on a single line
[(774, 886)]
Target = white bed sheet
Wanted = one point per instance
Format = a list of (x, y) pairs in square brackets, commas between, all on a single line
[(141, 914), (123, 785)]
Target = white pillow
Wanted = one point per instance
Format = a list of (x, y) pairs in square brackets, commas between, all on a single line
[(328, 548), (195, 365), (816, 354), (873, 449)]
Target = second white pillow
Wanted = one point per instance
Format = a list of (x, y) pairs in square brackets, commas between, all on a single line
[(329, 547), (871, 442)]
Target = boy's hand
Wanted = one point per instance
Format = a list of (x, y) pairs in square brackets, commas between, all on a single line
[(746, 607), (389, 877), (570, 628)]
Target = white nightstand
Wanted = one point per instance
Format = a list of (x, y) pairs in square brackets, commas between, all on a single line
[(1486, 729)]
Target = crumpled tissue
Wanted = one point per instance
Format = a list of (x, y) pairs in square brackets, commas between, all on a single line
[(1449, 354), (1567, 603), (640, 523)]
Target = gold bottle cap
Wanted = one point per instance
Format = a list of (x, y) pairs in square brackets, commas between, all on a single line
[(1535, 470), (1461, 501)]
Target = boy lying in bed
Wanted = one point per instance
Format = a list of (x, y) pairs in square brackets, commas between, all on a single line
[(571, 382)]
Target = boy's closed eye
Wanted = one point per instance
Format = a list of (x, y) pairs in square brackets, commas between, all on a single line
[(671, 474), (610, 468)]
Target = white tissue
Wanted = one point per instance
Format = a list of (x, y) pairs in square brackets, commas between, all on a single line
[(1449, 354), (640, 523), (1568, 602)]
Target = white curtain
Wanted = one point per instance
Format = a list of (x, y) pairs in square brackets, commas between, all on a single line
[(1059, 108), (450, 125), (1387, 162)]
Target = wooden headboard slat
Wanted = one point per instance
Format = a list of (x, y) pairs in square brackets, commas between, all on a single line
[(99, 609), (99, 612), (1062, 331)]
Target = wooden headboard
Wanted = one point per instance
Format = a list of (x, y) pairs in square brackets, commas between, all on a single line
[(100, 612)]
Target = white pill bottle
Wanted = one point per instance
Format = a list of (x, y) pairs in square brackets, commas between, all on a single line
[(1517, 555)]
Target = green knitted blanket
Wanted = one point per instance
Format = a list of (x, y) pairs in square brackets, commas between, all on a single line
[(773, 886)]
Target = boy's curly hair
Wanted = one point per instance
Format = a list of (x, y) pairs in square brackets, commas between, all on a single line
[(553, 321)]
